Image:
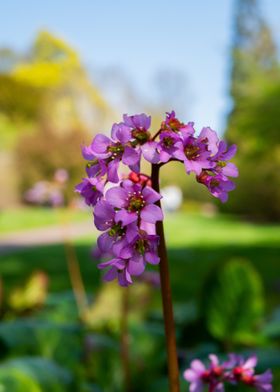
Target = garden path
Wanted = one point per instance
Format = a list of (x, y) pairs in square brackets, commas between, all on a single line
[(15, 241)]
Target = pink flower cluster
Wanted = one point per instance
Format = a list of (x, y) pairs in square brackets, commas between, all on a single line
[(235, 371), (127, 212), (127, 215)]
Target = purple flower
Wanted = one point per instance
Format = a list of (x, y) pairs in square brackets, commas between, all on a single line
[(169, 143), (236, 370), (196, 375), (104, 220), (210, 138), (131, 258), (115, 151), (91, 189), (194, 154), (61, 176), (222, 156), (128, 213), (134, 203), (150, 152), (218, 185), (142, 249), (139, 125), (262, 382), (106, 154), (118, 270), (172, 123), (96, 168), (199, 376), (244, 371)]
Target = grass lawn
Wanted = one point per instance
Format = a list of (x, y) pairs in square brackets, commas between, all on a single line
[(196, 245)]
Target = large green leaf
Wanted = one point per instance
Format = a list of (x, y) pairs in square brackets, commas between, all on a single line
[(233, 303), (52, 340), (35, 374)]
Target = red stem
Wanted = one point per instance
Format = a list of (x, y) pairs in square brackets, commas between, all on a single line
[(156, 134), (173, 369)]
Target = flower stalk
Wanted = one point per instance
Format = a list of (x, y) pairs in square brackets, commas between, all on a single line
[(129, 214), (173, 369)]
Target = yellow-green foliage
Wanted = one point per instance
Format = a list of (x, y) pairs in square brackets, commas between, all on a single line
[(47, 88), (106, 310), (51, 62)]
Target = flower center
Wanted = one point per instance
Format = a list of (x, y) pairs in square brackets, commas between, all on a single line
[(248, 380), (168, 142), (141, 245), (141, 135), (92, 163), (116, 230), (116, 150), (173, 124), (206, 376), (192, 151), (136, 202), (214, 183), (217, 371), (221, 164), (237, 371)]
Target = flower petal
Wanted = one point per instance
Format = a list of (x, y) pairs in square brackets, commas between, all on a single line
[(151, 213), (105, 243), (100, 144), (150, 152), (190, 375), (111, 274), (197, 366), (230, 170), (103, 215), (152, 258), (251, 362), (150, 195), (136, 266), (126, 217), (130, 156), (116, 196), (112, 171)]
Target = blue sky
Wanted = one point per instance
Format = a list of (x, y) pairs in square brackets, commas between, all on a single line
[(142, 37)]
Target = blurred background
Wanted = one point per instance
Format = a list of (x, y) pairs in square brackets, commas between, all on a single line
[(68, 71)]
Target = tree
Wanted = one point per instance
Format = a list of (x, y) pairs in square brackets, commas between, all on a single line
[(253, 121), (46, 88), (253, 49)]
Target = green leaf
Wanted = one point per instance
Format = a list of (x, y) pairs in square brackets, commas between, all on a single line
[(33, 375), (49, 339), (233, 303)]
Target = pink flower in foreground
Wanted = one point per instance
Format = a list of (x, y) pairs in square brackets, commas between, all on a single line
[(234, 371), (244, 371), (199, 376)]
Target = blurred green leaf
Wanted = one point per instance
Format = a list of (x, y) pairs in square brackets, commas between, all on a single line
[(33, 375), (62, 342), (233, 303), (268, 358), (272, 328), (31, 295), (105, 311)]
